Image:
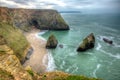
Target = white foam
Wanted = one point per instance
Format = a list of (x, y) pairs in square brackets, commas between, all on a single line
[(107, 37), (75, 70), (94, 72), (116, 45), (51, 63), (42, 32), (98, 47), (63, 63), (40, 37), (117, 56)]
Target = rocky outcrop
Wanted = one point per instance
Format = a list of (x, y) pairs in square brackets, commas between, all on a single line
[(26, 19), (5, 15), (13, 38), (4, 75), (9, 63), (51, 42), (107, 41), (87, 43)]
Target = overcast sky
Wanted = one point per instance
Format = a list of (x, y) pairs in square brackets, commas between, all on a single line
[(62, 5)]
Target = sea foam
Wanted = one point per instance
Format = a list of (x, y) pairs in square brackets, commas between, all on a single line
[(98, 47), (94, 72), (117, 56), (50, 66), (40, 37)]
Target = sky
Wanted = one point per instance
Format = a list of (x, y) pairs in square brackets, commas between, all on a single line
[(65, 5)]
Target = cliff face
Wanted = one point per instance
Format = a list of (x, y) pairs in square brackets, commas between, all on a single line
[(10, 66), (14, 46), (13, 38), (26, 19)]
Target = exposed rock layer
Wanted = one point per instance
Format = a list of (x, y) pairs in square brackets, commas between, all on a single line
[(87, 43), (51, 42), (26, 19)]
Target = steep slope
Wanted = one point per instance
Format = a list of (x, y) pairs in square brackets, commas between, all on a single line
[(5, 15), (26, 19), (14, 46), (15, 40)]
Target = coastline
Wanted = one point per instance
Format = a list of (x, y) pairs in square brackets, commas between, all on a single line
[(39, 52)]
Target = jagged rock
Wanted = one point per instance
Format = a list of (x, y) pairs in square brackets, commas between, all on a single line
[(10, 63), (14, 39), (4, 75), (51, 42), (30, 51), (27, 57), (2, 40), (61, 46), (87, 43), (25, 19), (107, 41)]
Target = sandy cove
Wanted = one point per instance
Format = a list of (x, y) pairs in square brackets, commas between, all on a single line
[(39, 52)]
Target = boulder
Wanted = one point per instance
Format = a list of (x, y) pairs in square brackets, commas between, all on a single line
[(87, 43), (107, 41), (61, 46), (51, 42)]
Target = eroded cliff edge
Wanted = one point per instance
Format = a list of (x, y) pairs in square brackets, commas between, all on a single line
[(26, 19), (14, 47)]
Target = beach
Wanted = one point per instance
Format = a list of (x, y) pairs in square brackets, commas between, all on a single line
[(39, 52)]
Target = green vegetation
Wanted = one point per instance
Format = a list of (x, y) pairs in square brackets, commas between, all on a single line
[(14, 39), (75, 77), (85, 42), (4, 75), (30, 72), (63, 76)]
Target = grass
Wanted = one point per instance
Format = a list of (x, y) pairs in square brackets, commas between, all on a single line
[(63, 76), (30, 72), (76, 77), (15, 39), (4, 75)]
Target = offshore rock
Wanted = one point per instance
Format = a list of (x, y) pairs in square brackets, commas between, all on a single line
[(87, 43), (51, 42), (107, 41)]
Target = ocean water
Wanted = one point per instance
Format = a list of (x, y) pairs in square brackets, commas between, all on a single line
[(103, 61)]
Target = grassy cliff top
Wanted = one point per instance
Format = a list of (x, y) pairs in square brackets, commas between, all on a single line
[(14, 39)]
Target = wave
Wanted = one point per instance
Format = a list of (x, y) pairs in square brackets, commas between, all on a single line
[(98, 47), (94, 72), (50, 66), (72, 68), (62, 65), (100, 37), (75, 70), (117, 56), (40, 37), (42, 32), (116, 45)]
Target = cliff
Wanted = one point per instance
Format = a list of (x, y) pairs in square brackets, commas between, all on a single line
[(14, 46), (26, 19), (12, 50)]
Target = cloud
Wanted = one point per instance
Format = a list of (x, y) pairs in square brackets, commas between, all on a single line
[(12, 4), (63, 4)]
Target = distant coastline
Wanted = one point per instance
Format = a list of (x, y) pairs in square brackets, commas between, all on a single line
[(69, 11)]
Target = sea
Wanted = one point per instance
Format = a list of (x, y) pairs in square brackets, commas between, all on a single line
[(103, 61)]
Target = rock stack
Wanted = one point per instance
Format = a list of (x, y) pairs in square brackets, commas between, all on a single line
[(87, 43), (51, 42)]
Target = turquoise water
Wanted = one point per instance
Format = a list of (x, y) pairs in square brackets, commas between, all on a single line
[(103, 61)]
